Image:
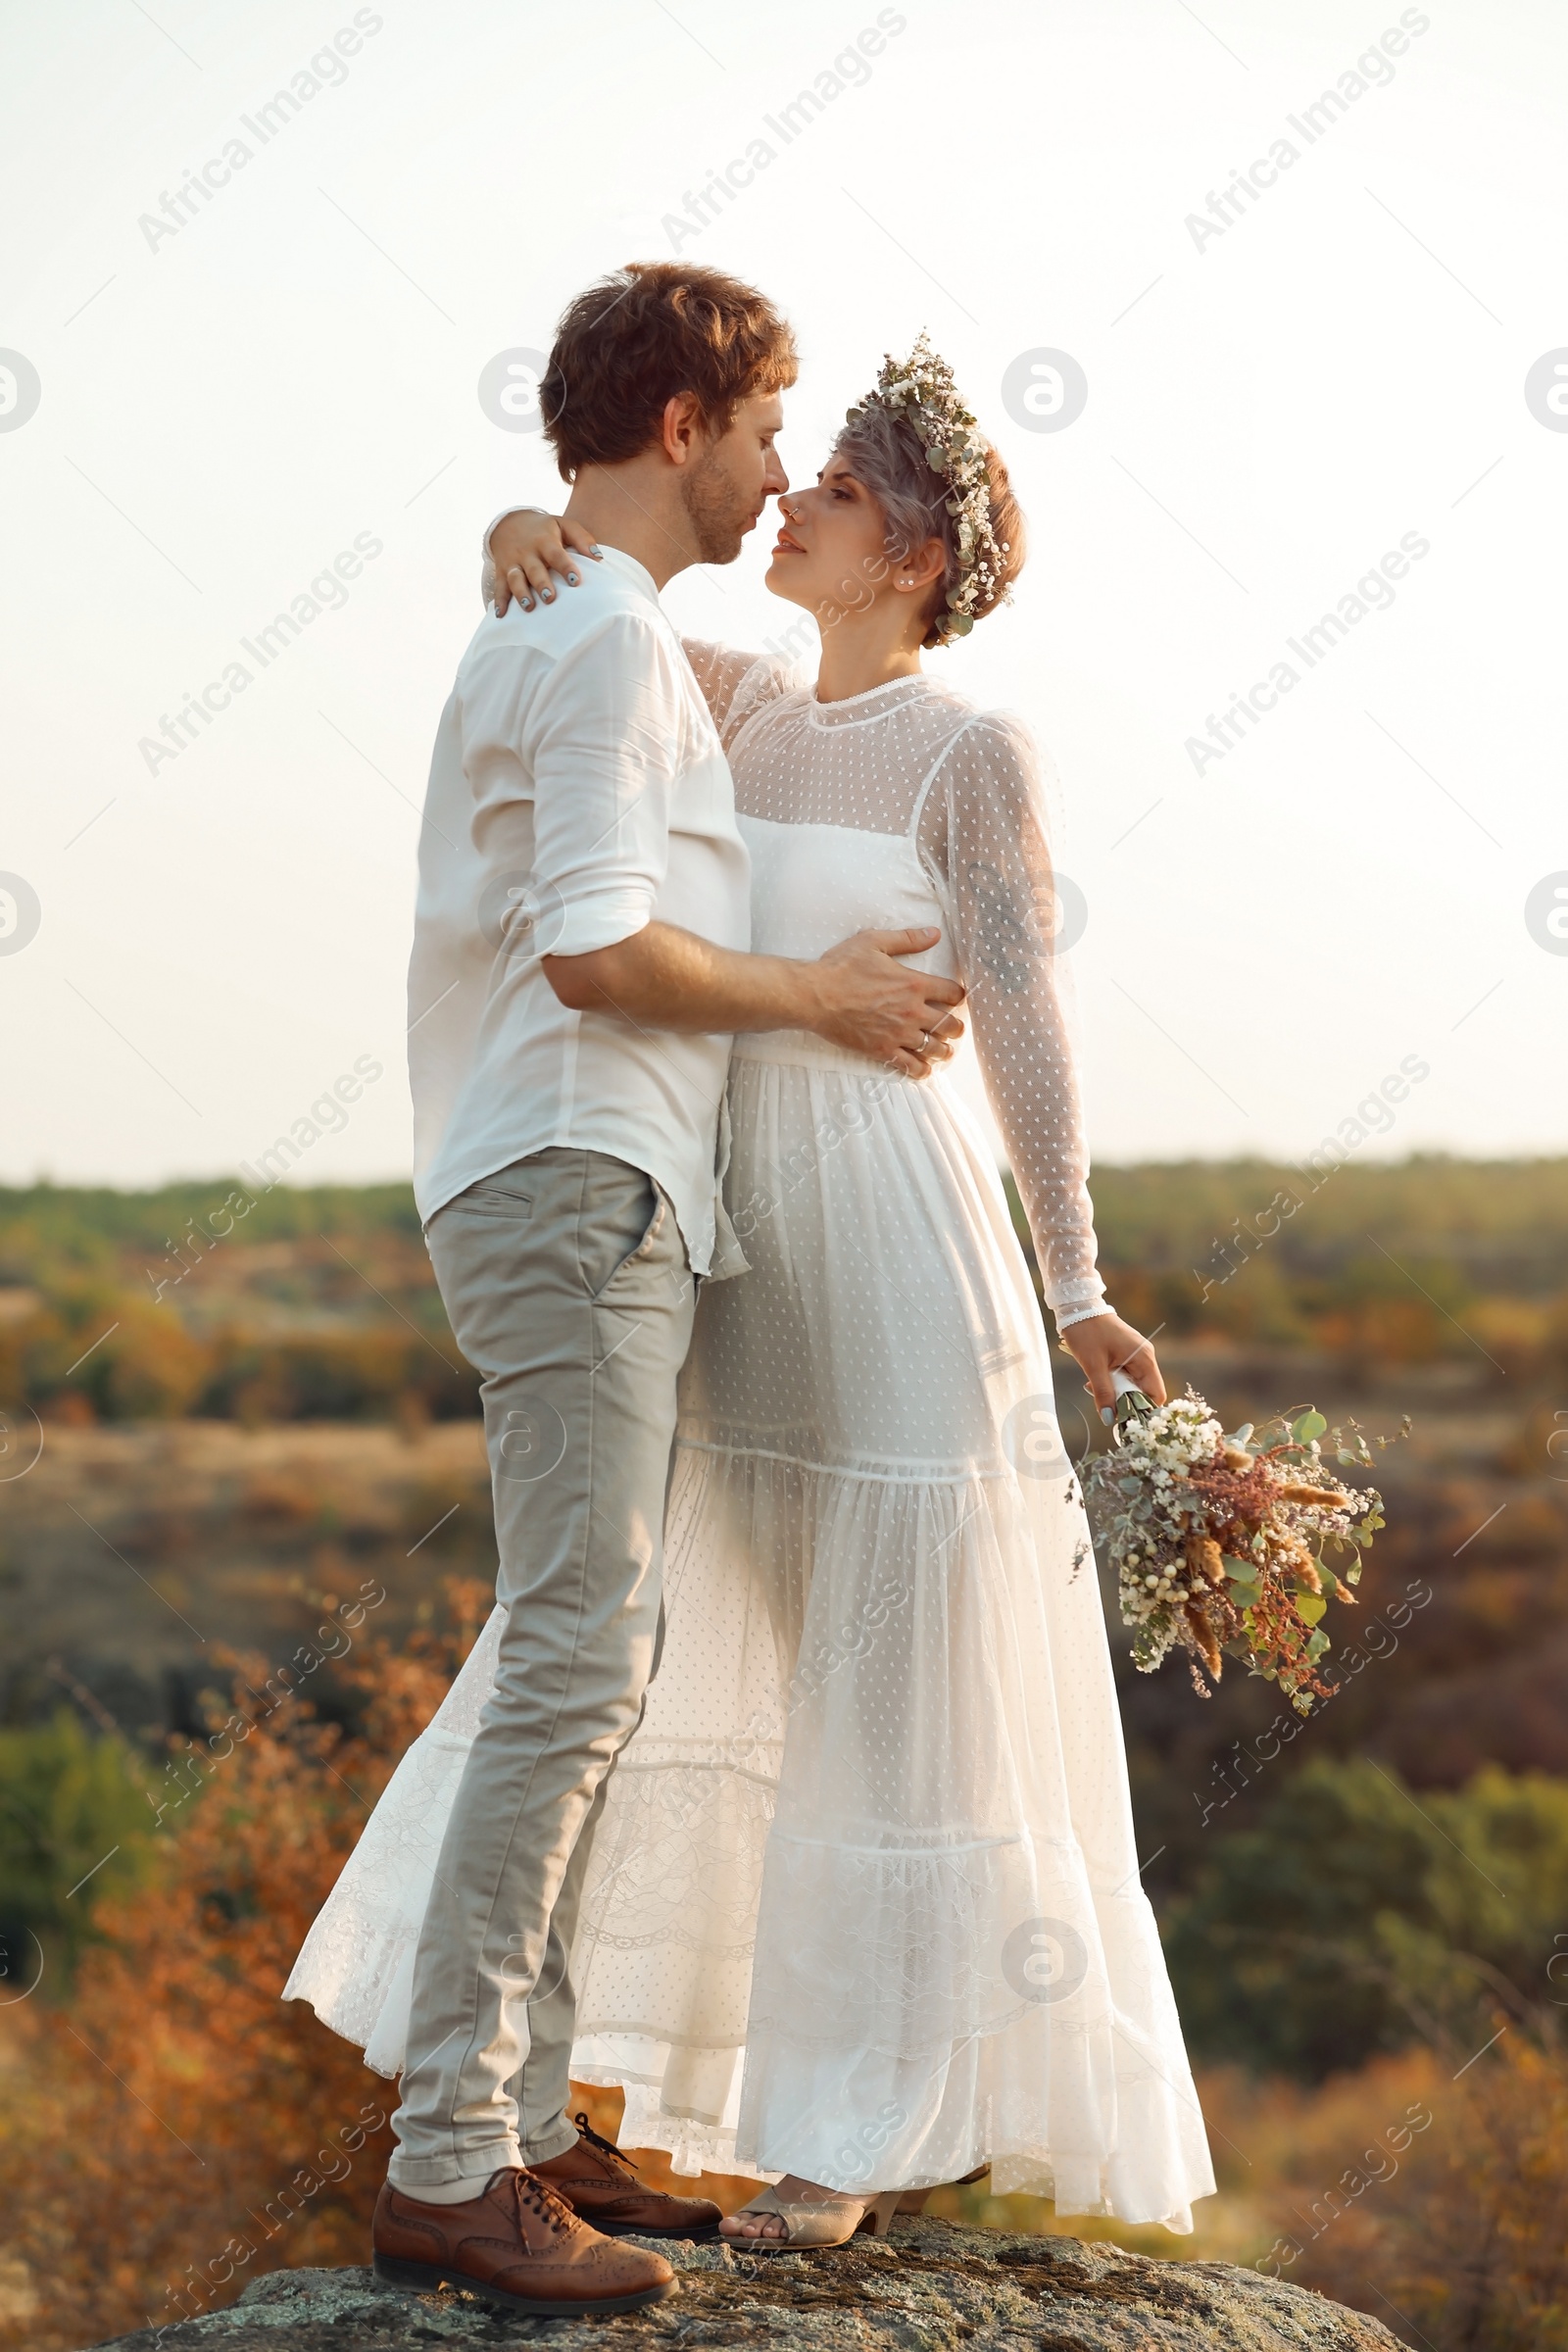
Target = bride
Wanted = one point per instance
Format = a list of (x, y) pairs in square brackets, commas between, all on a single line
[(864, 1912)]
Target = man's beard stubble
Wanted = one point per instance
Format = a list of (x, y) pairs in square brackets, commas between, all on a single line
[(717, 510)]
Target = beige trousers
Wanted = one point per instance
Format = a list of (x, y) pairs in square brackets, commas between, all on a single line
[(566, 1283)]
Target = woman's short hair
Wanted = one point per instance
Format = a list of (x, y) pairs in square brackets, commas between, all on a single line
[(644, 334), (887, 455)]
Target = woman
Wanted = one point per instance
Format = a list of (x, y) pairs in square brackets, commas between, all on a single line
[(864, 1910)]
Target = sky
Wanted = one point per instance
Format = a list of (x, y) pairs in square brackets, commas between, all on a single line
[(1232, 405)]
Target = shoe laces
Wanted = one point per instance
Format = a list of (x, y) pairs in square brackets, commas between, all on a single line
[(606, 2147), (551, 2208)]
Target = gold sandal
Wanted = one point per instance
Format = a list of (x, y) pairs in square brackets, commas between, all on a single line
[(816, 2222)]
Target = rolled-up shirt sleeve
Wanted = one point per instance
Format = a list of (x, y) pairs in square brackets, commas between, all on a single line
[(595, 740)]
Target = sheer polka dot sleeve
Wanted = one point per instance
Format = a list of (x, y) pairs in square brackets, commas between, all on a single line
[(983, 839), (736, 685)]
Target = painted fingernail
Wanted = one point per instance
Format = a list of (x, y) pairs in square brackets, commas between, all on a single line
[(571, 579), (548, 595)]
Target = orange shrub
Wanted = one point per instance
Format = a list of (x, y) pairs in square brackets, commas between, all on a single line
[(1428, 2190), (178, 2129)]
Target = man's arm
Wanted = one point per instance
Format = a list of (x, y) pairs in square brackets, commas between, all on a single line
[(600, 747), (857, 996)]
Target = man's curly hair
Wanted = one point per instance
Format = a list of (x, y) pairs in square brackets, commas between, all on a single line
[(645, 333)]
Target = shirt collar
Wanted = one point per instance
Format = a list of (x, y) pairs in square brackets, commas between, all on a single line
[(618, 560)]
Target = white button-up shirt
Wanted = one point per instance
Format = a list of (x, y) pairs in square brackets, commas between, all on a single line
[(577, 791)]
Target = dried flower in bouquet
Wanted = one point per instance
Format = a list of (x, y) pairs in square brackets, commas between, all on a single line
[(1232, 1543)]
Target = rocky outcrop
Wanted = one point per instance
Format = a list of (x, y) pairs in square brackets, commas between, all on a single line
[(929, 2288)]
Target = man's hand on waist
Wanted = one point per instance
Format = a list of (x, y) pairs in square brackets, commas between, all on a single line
[(871, 1002), (859, 995)]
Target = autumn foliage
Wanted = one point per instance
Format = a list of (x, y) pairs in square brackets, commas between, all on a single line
[(173, 2129), (1365, 1912), (170, 2129)]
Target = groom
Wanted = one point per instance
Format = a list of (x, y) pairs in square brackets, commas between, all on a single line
[(579, 965)]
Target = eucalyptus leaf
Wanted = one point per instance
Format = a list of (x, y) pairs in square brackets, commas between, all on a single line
[(1311, 1425), (1309, 1607)]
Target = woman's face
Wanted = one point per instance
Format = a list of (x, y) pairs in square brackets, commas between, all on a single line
[(831, 553)]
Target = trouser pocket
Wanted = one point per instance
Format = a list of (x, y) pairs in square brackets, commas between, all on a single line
[(621, 1221), (509, 1195)]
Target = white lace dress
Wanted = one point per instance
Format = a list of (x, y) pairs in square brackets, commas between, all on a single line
[(865, 1903)]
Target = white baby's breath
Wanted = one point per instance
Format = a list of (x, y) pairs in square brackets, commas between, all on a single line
[(921, 390)]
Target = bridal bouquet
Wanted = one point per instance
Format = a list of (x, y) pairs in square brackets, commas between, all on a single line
[(1221, 1543)]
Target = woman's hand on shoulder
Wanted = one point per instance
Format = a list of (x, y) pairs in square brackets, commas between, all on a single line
[(530, 549), (1102, 1345)]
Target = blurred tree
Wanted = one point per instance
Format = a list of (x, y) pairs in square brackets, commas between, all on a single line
[(75, 1825), (210, 2131), (1353, 1919)]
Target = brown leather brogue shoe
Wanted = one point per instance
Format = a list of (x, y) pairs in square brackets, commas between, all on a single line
[(518, 2245), (598, 2183)]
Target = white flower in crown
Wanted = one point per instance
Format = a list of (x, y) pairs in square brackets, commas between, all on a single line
[(920, 389)]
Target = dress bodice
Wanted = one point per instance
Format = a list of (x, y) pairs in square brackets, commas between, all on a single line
[(906, 806), (813, 885)]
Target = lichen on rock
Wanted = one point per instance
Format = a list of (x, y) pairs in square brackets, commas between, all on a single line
[(930, 2287)]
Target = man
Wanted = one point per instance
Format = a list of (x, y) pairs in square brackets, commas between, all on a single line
[(579, 967)]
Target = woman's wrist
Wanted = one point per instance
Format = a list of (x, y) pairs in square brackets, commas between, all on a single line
[(496, 521), (1067, 1316)]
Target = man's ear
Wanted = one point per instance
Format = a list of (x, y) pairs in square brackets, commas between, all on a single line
[(681, 434)]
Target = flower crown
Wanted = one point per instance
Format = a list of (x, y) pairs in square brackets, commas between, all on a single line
[(921, 391)]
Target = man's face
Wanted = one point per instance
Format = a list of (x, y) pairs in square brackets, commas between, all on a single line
[(726, 486)]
